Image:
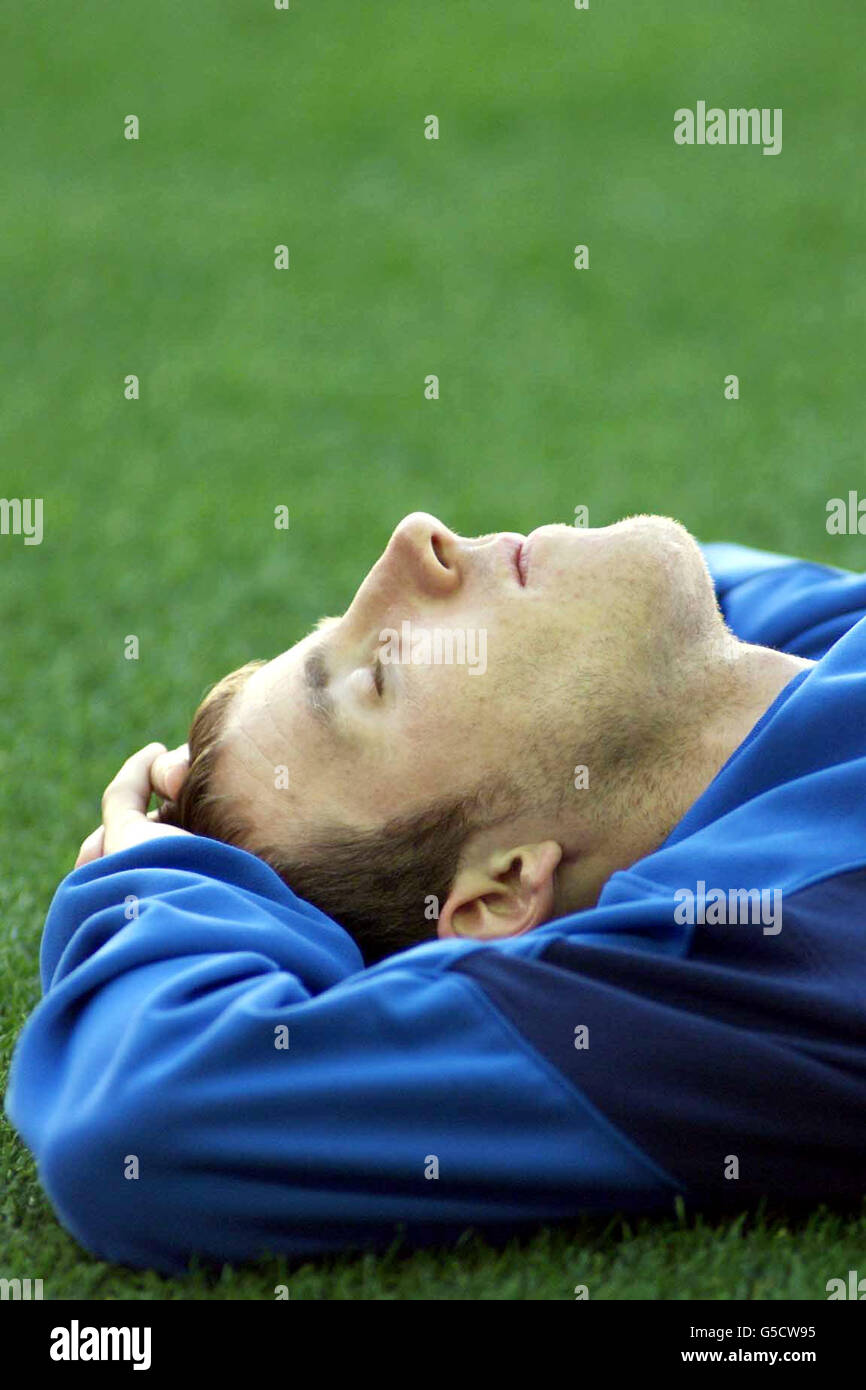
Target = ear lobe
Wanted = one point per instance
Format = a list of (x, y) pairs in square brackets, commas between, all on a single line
[(509, 895)]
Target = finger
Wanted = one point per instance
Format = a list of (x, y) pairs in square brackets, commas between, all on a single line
[(91, 848), (169, 770), (94, 846), (129, 792)]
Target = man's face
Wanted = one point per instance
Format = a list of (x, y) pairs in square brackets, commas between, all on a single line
[(569, 647)]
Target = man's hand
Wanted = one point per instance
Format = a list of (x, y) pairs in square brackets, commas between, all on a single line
[(125, 818)]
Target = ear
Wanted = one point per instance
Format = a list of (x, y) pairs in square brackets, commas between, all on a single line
[(508, 894)]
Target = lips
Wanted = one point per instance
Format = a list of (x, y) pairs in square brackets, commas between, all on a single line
[(513, 553), (523, 562), (519, 564)]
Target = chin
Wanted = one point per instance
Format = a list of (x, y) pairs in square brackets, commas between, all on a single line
[(657, 559), (663, 530), (634, 545)]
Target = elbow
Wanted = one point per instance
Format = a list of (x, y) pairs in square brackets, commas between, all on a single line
[(111, 1195)]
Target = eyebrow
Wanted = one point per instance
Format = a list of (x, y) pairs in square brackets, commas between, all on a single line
[(319, 699)]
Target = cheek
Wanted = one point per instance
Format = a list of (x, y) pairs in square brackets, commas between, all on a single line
[(448, 716)]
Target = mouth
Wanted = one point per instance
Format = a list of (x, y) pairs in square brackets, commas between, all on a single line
[(519, 558), (522, 560)]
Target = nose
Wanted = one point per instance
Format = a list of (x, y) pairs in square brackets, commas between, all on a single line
[(419, 561), (424, 554)]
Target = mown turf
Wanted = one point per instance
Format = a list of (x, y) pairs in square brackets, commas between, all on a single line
[(305, 388)]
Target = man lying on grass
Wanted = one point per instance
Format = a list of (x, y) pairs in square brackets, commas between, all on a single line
[(447, 947)]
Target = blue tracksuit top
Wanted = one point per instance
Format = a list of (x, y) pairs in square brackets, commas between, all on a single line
[(272, 1095)]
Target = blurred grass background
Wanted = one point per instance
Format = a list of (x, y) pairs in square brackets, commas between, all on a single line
[(305, 388)]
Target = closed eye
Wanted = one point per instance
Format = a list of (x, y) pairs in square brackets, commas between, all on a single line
[(379, 676)]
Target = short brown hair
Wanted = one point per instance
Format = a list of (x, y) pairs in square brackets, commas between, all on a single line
[(375, 883)]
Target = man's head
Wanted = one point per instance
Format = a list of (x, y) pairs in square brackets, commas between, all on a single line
[(422, 754)]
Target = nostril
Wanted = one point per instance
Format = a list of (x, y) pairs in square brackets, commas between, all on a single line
[(438, 551)]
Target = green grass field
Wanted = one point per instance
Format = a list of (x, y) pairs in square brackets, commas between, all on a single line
[(258, 387)]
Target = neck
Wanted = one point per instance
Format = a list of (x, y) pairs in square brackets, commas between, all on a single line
[(715, 716)]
